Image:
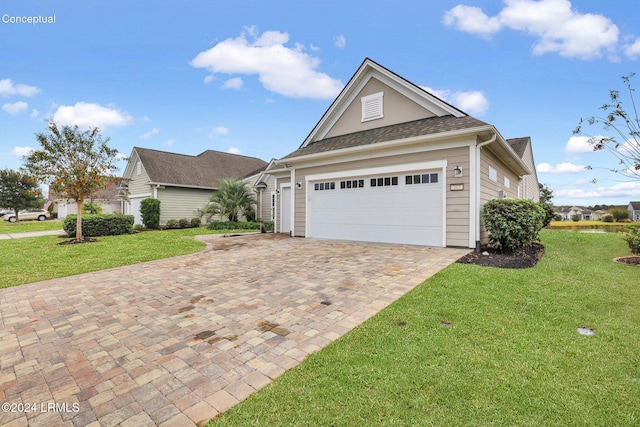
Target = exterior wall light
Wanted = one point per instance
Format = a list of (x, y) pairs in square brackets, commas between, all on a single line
[(457, 171)]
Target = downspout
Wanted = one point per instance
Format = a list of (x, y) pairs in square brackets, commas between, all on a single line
[(476, 213)]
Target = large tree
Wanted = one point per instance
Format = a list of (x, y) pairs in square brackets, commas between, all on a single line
[(232, 199), (622, 125), (73, 162), (18, 191)]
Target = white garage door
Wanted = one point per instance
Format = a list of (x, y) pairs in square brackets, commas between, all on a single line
[(402, 207), (134, 208)]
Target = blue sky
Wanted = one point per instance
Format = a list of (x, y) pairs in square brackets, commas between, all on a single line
[(254, 77)]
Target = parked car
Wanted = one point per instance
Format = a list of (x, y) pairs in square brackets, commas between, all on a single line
[(29, 214), (4, 212)]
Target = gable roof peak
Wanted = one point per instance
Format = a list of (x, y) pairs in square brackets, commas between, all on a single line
[(367, 70)]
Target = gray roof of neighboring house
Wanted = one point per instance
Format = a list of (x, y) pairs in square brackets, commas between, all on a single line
[(428, 126), (519, 145), (635, 206), (203, 170)]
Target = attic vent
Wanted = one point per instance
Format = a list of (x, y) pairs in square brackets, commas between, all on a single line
[(372, 107)]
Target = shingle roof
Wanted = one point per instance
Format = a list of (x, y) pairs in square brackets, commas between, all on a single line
[(635, 206), (519, 145), (203, 170), (428, 126)]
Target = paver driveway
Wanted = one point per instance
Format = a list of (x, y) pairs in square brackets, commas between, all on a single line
[(177, 341)]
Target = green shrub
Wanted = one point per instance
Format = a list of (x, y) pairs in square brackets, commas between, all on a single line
[(150, 211), (138, 227), (558, 217), (619, 214), (575, 218), (173, 224), (512, 224), (195, 222), (232, 225), (99, 225), (607, 218), (268, 225), (633, 238), (184, 223)]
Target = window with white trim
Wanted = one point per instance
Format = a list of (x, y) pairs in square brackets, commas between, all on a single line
[(493, 174), (139, 168), (372, 107), (384, 182), (421, 178), (353, 183), (321, 186), (507, 182)]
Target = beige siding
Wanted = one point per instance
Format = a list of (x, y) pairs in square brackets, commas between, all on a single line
[(488, 188), (530, 188), (457, 213), (396, 109), (264, 201), (176, 203)]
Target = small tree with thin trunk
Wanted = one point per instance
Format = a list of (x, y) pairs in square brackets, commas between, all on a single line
[(75, 163), (19, 190)]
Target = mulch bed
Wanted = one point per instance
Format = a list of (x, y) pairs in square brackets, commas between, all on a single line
[(628, 260), (505, 260)]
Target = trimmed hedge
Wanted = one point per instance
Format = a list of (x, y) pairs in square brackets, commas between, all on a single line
[(150, 212), (512, 224), (99, 225)]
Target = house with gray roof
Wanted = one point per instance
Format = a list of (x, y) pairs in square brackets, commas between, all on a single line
[(634, 211), (183, 183), (391, 162)]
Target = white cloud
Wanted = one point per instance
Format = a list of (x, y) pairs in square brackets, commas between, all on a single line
[(234, 83), (578, 145), (288, 71), (234, 150), (560, 168), (472, 20), (35, 113), (210, 78), (168, 142), (9, 88), (21, 151), (148, 135), (340, 41), (627, 190), (218, 130), (555, 24), (632, 50), (472, 102), (86, 114), (15, 108)]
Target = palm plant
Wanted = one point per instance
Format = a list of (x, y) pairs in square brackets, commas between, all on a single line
[(232, 199)]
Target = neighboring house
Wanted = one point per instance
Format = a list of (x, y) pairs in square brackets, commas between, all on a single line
[(584, 214), (107, 198), (390, 162), (182, 183), (634, 211)]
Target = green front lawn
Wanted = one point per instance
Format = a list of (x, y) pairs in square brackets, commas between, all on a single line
[(39, 258), (7, 227), (512, 356)]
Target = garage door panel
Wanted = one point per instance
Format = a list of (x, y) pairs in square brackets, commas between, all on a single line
[(402, 213)]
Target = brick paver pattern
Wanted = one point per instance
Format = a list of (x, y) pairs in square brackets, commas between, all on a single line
[(176, 342)]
